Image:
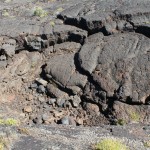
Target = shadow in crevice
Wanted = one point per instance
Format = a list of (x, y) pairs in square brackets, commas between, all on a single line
[(95, 87), (143, 30), (44, 76), (147, 100), (83, 24)]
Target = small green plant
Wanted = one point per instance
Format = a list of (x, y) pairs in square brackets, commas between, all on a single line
[(60, 9), (5, 13), (9, 122), (52, 23), (134, 116), (40, 12), (121, 122), (1, 146), (147, 144), (110, 144)]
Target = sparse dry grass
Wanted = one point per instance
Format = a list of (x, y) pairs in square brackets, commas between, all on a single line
[(110, 144)]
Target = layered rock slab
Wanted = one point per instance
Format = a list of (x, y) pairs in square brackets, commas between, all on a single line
[(108, 16), (119, 65)]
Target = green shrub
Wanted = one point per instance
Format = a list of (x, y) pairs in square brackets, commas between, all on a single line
[(1, 146), (134, 116), (9, 122), (147, 144), (5, 13), (121, 122), (52, 23), (110, 144), (40, 12)]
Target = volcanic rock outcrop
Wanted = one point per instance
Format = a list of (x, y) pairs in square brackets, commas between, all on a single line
[(71, 60)]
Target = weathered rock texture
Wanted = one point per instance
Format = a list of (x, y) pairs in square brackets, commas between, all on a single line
[(79, 63)]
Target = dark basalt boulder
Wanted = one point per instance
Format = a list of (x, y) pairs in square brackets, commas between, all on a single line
[(119, 65), (63, 71)]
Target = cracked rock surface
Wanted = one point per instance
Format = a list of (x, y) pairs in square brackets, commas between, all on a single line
[(82, 63)]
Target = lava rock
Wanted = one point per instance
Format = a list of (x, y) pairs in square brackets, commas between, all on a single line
[(41, 99), (38, 120), (115, 68), (45, 117), (75, 100), (41, 89), (41, 81), (65, 120), (30, 97), (72, 121), (28, 109), (34, 86), (60, 102), (34, 42), (9, 47), (63, 70), (51, 101), (79, 121), (56, 92)]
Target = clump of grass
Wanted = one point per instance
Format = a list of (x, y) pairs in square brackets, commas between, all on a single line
[(52, 23), (40, 12), (5, 13), (1, 146), (60, 9), (147, 144), (134, 116), (9, 122), (110, 144), (121, 122)]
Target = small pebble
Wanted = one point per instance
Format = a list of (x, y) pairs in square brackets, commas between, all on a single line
[(45, 117), (46, 107), (58, 114), (79, 121), (30, 97), (41, 99), (75, 100), (65, 120), (34, 86), (41, 89), (38, 120), (60, 102), (51, 101), (28, 109), (67, 104), (71, 121)]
